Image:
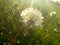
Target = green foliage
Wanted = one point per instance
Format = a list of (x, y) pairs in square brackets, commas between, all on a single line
[(13, 30)]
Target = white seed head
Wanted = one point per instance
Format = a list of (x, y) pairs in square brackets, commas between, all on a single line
[(32, 16), (53, 13)]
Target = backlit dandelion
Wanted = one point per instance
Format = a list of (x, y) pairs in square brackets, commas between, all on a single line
[(32, 17)]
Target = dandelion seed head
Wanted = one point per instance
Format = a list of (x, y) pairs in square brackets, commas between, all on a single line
[(53, 13), (32, 16)]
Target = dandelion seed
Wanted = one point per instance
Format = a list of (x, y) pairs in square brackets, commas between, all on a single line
[(18, 41), (10, 32), (24, 34), (55, 30), (1, 33)]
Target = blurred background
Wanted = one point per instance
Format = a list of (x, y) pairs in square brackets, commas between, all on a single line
[(14, 32)]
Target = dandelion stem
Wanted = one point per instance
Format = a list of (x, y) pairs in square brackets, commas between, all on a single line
[(22, 2), (32, 3)]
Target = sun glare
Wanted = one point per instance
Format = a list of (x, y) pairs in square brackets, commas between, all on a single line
[(56, 0)]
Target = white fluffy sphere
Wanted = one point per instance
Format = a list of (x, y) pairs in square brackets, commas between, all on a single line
[(32, 17)]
